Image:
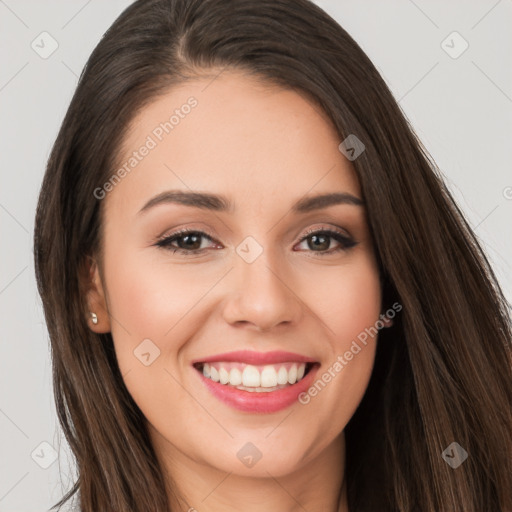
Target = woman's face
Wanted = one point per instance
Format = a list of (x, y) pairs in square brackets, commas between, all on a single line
[(258, 274)]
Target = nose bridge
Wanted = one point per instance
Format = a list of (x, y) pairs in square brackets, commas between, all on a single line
[(261, 294)]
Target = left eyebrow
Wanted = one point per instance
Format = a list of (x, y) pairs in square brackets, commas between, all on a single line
[(324, 200), (222, 204)]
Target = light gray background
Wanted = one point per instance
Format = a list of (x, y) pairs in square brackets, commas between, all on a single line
[(460, 107)]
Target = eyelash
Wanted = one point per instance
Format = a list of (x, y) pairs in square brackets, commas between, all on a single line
[(345, 242)]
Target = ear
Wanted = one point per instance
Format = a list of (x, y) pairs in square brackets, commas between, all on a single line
[(95, 297)]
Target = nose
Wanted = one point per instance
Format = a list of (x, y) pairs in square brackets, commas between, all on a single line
[(261, 295)]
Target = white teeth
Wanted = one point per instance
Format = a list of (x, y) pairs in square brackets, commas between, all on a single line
[(223, 376), (282, 376), (255, 378), (292, 374), (251, 377), (260, 389), (214, 374), (235, 377), (268, 377)]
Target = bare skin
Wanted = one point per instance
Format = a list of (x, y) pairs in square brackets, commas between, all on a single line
[(264, 148)]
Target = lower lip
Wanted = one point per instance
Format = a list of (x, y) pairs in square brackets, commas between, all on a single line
[(259, 402)]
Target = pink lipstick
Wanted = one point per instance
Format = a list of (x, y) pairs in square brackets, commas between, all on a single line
[(257, 382)]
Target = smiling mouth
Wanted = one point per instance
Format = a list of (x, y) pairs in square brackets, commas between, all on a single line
[(255, 378)]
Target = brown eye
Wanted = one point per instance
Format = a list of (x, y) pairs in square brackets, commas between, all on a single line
[(187, 241), (320, 241)]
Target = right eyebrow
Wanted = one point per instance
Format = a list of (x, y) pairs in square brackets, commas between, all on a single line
[(195, 199)]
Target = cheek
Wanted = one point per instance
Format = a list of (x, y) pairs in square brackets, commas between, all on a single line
[(347, 298), (151, 305), (149, 296), (348, 305)]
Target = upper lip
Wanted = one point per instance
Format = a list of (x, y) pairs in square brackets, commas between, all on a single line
[(256, 358)]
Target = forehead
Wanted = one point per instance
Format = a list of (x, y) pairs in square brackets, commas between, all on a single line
[(234, 135)]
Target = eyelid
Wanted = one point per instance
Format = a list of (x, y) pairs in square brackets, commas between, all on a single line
[(324, 228)]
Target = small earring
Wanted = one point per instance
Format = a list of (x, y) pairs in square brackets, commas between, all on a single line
[(388, 322), (94, 318)]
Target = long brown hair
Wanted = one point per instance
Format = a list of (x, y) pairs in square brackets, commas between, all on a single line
[(442, 372)]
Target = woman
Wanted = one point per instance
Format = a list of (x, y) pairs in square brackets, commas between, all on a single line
[(259, 292)]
